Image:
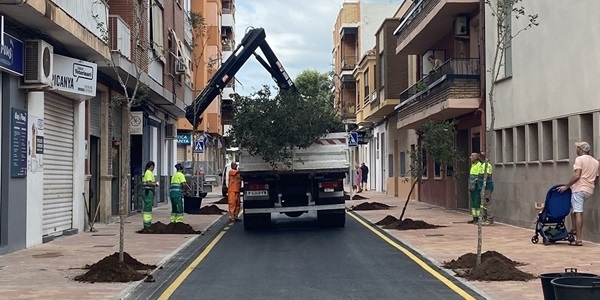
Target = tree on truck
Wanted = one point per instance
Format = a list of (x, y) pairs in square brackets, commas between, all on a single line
[(292, 159)]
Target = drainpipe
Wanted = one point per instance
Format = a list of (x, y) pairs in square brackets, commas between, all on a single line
[(12, 2), (482, 77)]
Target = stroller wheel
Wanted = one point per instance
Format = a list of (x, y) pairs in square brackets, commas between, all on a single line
[(535, 239)]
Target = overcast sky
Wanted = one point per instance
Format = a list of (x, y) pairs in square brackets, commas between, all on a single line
[(298, 31)]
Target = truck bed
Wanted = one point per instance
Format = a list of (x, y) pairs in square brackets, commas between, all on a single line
[(329, 153)]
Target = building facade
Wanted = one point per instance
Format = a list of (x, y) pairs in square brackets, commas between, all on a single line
[(535, 130), (62, 91)]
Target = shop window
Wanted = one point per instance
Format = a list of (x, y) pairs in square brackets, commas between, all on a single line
[(586, 122), (437, 170), (534, 149), (498, 158), (562, 138), (547, 143), (521, 144), (509, 144)]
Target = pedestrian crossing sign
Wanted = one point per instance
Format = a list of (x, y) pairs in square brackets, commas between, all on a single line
[(199, 147), (353, 139)]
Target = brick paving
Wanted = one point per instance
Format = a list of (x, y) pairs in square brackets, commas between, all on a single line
[(461, 238), (46, 271)]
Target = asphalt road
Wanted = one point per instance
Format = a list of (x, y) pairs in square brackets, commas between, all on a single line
[(297, 260)]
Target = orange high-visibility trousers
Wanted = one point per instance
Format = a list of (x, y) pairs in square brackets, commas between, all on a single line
[(234, 203)]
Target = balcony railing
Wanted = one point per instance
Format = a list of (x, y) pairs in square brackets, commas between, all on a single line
[(227, 11), (227, 47), (349, 63), (414, 17), (119, 36), (466, 68), (81, 12)]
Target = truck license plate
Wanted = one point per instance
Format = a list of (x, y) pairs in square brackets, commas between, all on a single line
[(256, 193), (328, 190)]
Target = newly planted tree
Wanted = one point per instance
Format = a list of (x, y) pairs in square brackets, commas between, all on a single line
[(133, 90), (504, 13)]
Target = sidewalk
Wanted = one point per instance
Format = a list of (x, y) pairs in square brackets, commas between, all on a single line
[(460, 238), (46, 271)]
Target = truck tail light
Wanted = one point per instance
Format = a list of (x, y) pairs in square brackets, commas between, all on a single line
[(330, 185)]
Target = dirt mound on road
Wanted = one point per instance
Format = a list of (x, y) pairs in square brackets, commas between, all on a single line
[(410, 224), (208, 210), (469, 260), (356, 197), (494, 269), (171, 228), (109, 269), (387, 220), (371, 206), (222, 201)]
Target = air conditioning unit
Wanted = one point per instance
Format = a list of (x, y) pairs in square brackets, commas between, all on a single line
[(171, 131), (38, 62), (180, 66), (461, 26)]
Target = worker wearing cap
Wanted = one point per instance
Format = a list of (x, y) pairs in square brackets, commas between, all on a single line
[(486, 204), (233, 192), (582, 184), (176, 191), (148, 185)]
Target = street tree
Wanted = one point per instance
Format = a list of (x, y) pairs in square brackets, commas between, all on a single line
[(504, 14), (273, 123), (435, 143), (133, 90)]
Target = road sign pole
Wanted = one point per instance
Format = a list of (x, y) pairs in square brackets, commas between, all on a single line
[(353, 173)]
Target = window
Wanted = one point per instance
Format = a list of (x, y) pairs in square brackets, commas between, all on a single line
[(534, 149), (505, 33), (366, 83), (586, 123), (547, 143), (381, 70), (390, 165), (402, 164), (437, 170), (498, 153), (562, 138), (156, 29), (509, 145), (521, 144)]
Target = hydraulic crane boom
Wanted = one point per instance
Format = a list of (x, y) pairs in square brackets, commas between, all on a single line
[(255, 38)]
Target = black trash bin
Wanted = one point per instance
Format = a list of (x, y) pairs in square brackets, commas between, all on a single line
[(576, 288), (191, 204), (546, 279)]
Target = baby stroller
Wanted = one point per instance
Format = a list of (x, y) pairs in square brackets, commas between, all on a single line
[(550, 223)]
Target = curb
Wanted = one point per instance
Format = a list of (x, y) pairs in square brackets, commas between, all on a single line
[(124, 293)]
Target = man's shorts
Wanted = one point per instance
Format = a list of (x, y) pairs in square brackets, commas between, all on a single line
[(577, 199), (364, 179)]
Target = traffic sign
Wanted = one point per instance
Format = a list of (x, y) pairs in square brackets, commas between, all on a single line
[(353, 139), (199, 147)]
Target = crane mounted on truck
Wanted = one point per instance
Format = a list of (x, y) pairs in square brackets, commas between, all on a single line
[(314, 181)]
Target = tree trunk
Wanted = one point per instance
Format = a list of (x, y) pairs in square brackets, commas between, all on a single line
[(412, 188), (125, 178)]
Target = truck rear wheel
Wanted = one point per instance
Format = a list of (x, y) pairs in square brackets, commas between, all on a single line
[(256, 221), (331, 218)]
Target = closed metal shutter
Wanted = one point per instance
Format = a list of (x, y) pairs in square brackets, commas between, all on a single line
[(95, 112), (117, 115), (181, 153), (58, 164)]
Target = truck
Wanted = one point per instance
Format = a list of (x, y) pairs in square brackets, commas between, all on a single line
[(313, 180)]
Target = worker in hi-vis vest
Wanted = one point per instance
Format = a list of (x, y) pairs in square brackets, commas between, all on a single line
[(176, 192), (148, 186), (475, 188)]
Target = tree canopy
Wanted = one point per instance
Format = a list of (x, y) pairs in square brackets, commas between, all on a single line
[(272, 122)]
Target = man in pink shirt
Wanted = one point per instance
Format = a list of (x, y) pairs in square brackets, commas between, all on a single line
[(582, 184)]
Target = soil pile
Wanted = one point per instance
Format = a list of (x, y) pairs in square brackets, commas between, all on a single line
[(387, 220), (410, 224), (222, 201), (109, 269), (171, 228), (370, 206), (469, 260), (356, 197), (208, 210), (494, 269)]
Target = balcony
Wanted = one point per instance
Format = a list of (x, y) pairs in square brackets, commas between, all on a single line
[(227, 18), (451, 91), (347, 67), (119, 36), (428, 22)]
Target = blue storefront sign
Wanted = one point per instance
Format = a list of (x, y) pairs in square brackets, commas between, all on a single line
[(11, 55), (184, 139)]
